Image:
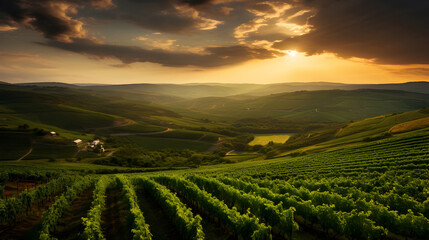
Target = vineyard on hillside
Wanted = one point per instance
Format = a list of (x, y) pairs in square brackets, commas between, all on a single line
[(379, 190)]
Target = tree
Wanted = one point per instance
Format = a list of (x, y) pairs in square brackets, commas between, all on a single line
[(23, 126)]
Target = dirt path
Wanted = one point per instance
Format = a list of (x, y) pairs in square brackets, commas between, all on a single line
[(70, 225), (110, 153), (77, 153), (201, 138), (115, 224), (216, 145), (160, 225), (25, 155), (138, 134)]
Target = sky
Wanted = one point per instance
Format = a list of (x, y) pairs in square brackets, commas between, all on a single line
[(227, 41)]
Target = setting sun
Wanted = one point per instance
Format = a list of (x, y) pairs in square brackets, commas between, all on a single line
[(292, 53)]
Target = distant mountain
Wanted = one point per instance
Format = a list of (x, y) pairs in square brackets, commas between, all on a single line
[(178, 90), (312, 106), (90, 84), (313, 102), (418, 87), (223, 90), (48, 84)]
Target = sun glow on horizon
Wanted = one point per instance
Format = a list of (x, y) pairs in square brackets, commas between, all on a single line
[(292, 53)]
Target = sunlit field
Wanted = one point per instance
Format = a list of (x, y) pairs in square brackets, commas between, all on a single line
[(264, 139)]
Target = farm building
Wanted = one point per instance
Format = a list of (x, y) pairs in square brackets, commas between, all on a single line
[(77, 141)]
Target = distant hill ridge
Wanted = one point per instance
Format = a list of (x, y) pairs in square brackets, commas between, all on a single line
[(197, 90), (337, 103), (312, 106)]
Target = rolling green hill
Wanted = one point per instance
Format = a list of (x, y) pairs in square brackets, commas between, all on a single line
[(73, 109), (199, 90), (312, 106), (359, 132)]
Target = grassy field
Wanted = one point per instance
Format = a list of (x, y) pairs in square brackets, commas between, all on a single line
[(187, 122), (311, 106), (14, 145), (66, 117), (137, 127), (264, 139), (190, 135), (12, 121), (381, 176), (47, 151), (372, 127), (157, 143), (410, 126)]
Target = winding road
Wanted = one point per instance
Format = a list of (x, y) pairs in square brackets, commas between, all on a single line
[(29, 151)]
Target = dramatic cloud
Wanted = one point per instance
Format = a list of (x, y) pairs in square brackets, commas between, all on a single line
[(213, 56), (51, 17), (273, 21), (383, 31), (387, 31), (171, 16), (58, 19)]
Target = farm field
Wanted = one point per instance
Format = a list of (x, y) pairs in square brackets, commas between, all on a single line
[(361, 192), (264, 139), (157, 143), (362, 179)]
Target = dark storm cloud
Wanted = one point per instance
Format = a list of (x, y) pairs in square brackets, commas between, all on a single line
[(51, 17), (388, 31), (213, 57), (261, 7), (197, 2), (58, 19), (172, 16)]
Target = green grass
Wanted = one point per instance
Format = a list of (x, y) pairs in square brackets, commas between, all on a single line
[(14, 145), (11, 122), (47, 151), (186, 122), (66, 117), (189, 135), (264, 139), (355, 132), (410, 125), (154, 143), (241, 156), (311, 106), (288, 162), (138, 127), (381, 123)]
